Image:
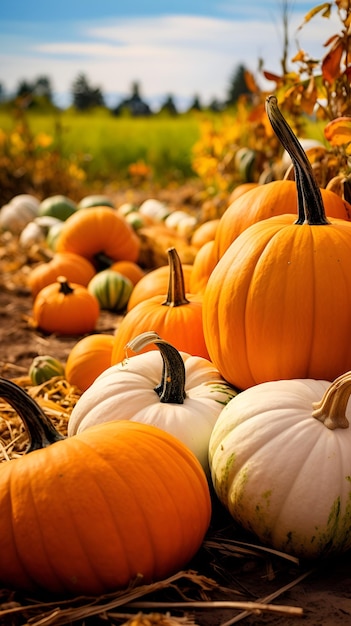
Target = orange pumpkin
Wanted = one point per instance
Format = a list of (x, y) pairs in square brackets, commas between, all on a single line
[(177, 317), (75, 267), (120, 504), (88, 358), (204, 232), (278, 305), (155, 283), (65, 308), (131, 270), (264, 201), (99, 231), (239, 190), (203, 265)]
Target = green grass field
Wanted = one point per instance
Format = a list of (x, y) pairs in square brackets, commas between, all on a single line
[(106, 145)]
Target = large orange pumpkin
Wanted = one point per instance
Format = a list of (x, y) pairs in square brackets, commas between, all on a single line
[(264, 201), (176, 317), (278, 303), (99, 231), (121, 503)]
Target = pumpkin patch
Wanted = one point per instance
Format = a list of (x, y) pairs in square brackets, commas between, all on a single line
[(175, 368)]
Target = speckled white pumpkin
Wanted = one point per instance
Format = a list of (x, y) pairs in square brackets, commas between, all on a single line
[(280, 460)]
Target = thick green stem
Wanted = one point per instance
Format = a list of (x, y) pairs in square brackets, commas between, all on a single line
[(310, 208), (172, 385), (331, 409), (176, 288), (41, 431)]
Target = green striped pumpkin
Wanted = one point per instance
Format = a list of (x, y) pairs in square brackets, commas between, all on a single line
[(44, 368), (111, 289)]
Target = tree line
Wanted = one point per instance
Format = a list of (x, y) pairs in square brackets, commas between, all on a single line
[(85, 96)]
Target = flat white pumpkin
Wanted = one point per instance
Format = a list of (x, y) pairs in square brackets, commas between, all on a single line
[(280, 460), (126, 391)]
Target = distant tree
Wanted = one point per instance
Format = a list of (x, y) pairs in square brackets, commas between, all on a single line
[(34, 93), (84, 96), (24, 88), (168, 106), (134, 105), (238, 86), (42, 88), (196, 104), (215, 105)]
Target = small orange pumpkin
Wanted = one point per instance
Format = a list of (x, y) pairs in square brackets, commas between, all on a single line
[(75, 267), (65, 308), (88, 358), (131, 270), (176, 317), (204, 264), (204, 232)]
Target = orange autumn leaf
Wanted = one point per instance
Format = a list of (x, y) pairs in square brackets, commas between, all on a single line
[(331, 62), (338, 131)]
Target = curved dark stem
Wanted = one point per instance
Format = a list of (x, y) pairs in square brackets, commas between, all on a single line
[(310, 208), (171, 388), (41, 431)]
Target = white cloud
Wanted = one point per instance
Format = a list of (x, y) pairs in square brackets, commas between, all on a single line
[(169, 54)]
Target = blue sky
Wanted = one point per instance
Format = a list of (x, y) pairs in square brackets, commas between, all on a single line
[(179, 48)]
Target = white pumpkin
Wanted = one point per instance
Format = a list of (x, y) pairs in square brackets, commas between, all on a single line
[(21, 210), (177, 392), (35, 232), (280, 460)]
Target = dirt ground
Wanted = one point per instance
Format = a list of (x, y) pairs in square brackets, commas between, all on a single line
[(321, 590)]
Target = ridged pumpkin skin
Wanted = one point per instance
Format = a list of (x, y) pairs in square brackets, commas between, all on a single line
[(277, 303), (99, 230), (280, 471), (88, 358), (90, 513), (75, 267), (264, 201)]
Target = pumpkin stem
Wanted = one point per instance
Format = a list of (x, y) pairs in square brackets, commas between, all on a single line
[(331, 409), (65, 288), (172, 385), (176, 288), (40, 429), (310, 208)]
